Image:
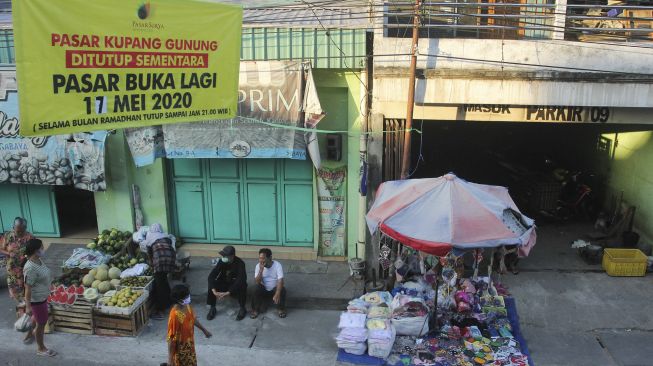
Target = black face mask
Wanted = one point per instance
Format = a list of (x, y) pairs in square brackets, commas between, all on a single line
[(268, 263)]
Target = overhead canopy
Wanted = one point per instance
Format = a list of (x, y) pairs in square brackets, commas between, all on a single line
[(437, 214)]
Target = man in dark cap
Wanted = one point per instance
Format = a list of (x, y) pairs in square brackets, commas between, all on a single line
[(228, 278)]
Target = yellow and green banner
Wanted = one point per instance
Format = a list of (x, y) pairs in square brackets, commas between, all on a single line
[(106, 64)]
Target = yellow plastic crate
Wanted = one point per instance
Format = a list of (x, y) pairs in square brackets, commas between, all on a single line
[(624, 262)]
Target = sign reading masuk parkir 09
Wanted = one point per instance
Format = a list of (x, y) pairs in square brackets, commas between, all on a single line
[(87, 65)]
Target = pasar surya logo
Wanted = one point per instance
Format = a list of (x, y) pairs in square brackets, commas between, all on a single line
[(144, 11)]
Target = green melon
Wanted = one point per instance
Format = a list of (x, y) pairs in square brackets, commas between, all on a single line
[(104, 286), (115, 283), (102, 274), (88, 280), (114, 273)]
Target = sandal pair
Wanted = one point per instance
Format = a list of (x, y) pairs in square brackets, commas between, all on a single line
[(48, 353), (282, 314)]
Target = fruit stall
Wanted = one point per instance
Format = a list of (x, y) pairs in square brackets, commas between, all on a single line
[(104, 289)]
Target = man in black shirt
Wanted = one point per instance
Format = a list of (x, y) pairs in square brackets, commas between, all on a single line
[(228, 278)]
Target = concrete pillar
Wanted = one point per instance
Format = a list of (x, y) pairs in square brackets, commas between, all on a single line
[(560, 19), (374, 178)]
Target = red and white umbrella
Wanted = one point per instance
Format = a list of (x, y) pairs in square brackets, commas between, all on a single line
[(435, 215)]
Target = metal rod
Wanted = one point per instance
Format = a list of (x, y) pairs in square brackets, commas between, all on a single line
[(513, 5), (587, 17), (602, 30), (484, 5), (534, 27), (507, 16), (463, 26), (405, 162)]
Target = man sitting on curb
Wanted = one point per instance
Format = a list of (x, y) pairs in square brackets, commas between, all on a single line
[(269, 284), (228, 278)]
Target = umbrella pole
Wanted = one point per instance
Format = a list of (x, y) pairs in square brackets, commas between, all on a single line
[(476, 264), (489, 268), (434, 315)]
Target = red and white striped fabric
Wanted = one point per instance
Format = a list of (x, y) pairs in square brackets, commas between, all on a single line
[(437, 214)]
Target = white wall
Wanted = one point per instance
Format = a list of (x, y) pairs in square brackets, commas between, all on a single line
[(589, 74)]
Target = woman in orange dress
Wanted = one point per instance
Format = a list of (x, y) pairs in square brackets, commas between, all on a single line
[(181, 329)]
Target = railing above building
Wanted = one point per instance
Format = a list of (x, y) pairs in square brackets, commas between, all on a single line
[(522, 19)]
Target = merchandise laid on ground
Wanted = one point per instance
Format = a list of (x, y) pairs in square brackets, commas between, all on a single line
[(103, 290), (436, 319), (434, 315)]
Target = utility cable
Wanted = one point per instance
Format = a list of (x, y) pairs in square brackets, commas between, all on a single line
[(306, 129)]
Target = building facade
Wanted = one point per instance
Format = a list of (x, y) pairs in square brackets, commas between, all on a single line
[(504, 88), (249, 203)]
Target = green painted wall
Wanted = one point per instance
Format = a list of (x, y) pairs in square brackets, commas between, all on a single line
[(332, 83), (631, 173), (151, 182), (114, 207)]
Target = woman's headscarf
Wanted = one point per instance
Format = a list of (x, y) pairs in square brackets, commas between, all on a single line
[(154, 233)]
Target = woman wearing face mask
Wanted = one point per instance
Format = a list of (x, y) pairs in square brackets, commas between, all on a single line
[(12, 244), (37, 289), (181, 329)]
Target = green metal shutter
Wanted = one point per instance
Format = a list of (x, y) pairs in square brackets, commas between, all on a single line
[(249, 201), (33, 202)]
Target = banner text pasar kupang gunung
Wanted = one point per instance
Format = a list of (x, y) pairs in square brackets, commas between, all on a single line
[(123, 65)]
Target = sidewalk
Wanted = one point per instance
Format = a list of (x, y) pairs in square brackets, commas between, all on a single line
[(575, 314), (571, 314), (310, 284), (305, 337)]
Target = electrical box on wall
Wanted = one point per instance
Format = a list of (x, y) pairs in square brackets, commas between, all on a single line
[(334, 147)]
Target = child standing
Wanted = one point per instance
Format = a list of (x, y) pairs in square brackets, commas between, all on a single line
[(181, 329)]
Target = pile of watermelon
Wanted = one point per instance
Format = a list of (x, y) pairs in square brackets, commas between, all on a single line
[(65, 295)]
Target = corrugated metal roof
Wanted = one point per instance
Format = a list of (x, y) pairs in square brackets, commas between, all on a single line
[(5, 21), (281, 33), (332, 49), (308, 18)]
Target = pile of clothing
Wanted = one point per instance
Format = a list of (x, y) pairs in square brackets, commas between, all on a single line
[(367, 323), (353, 334), (380, 331), (410, 315)]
